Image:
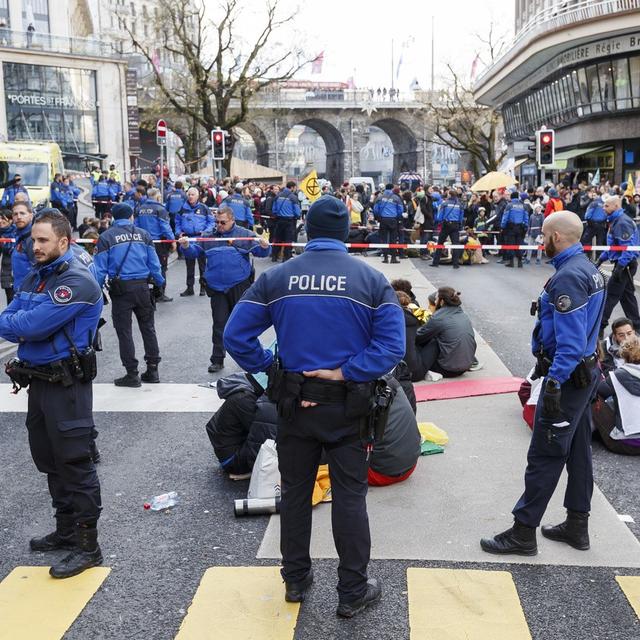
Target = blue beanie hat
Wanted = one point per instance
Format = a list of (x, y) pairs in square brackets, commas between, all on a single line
[(328, 218), (524, 195), (553, 193), (121, 211), (623, 186)]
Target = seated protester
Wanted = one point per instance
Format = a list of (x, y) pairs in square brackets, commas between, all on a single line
[(403, 285), (617, 419), (244, 421), (447, 344), (411, 324), (473, 255), (394, 458), (621, 330)]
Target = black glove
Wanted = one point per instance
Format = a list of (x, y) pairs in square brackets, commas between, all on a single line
[(617, 269), (551, 400)]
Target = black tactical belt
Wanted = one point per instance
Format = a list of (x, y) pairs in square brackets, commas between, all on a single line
[(324, 391)]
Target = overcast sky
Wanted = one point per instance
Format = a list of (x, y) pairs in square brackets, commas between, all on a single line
[(356, 36)]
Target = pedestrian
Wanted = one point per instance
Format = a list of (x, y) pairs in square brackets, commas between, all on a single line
[(126, 257), (240, 207), (7, 233), (55, 315), (151, 216), (326, 389), (534, 232), (388, 211), (451, 216), (286, 208), (565, 340), (229, 273), (30, 31), (194, 220), (515, 222), (623, 231)]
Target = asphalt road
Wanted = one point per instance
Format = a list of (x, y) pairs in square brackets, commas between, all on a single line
[(158, 559)]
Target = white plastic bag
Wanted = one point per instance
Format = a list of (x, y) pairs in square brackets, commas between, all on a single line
[(265, 478)]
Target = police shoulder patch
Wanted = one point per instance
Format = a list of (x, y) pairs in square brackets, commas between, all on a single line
[(62, 294), (563, 303), (625, 235)]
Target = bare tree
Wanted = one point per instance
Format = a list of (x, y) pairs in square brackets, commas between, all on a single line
[(214, 72)]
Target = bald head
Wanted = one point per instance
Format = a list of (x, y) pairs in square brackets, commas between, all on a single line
[(561, 230)]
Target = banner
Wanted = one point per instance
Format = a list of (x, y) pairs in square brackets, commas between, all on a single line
[(310, 187)]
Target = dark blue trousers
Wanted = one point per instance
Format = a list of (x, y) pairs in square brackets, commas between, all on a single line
[(554, 448)]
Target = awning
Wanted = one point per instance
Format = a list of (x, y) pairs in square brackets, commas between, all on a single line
[(519, 162), (562, 157)]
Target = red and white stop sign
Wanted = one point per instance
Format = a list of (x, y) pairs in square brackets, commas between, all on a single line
[(161, 133)]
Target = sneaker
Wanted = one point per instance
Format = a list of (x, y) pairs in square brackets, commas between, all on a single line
[(373, 594), (475, 365), (433, 376), (164, 298)]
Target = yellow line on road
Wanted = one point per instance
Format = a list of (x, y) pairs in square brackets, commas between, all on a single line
[(35, 605), (458, 604), (240, 603), (630, 585)]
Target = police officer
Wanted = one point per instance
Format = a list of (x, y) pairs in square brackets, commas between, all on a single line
[(10, 191), (620, 287), (125, 254), (174, 201), (151, 216), (514, 224), (596, 219), (451, 215), (194, 220), (22, 256), (564, 341), (286, 209), (357, 336), (388, 210), (101, 196), (54, 318), (240, 207), (229, 273)]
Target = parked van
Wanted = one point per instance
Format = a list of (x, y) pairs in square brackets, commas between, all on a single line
[(369, 184), (36, 162)]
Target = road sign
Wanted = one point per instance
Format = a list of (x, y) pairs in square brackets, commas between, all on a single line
[(161, 133), (444, 169)]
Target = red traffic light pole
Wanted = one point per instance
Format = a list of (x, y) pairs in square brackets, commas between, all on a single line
[(161, 141)]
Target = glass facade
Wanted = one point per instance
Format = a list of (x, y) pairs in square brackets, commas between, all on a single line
[(52, 103), (4, 15), (36, 12), (611, 85)]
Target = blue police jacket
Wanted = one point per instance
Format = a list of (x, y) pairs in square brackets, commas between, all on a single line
[(623, 231), (514, 213), (195, 220), (329, 310), (286, 205), (84, 257), (22, 257), (228, 264), (101, 190), (388, 205), (58, 194), (240, 207), (114, 189), (175, 200), (8, 233), (56, 296), (595, 211), (128, 196), (9, 195), (450, 211), (569, 312), (75, 191), (153, 217), (140, 263)]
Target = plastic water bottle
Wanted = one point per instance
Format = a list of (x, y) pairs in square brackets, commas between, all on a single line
[(162, 502)]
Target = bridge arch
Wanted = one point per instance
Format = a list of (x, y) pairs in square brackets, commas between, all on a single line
[(260, 141), (405, 144)]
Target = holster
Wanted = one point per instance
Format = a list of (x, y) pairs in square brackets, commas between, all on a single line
[(285, 390), (378, 416), (21, 375), (115, 287)]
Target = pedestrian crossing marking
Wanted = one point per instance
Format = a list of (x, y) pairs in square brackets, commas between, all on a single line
[(630, 586), (35, 605), (459, 604), (240, 603)]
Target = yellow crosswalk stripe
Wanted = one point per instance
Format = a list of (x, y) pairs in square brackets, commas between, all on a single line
[(35, 605), (240, 603), (630, 586), (459, 604)]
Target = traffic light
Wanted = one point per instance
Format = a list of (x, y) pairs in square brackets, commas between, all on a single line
[(218, 144), (547, 147)]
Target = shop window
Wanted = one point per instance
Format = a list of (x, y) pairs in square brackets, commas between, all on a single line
[(606, 86), (634, 72), (594, 89), (621, 83), (36, 12)]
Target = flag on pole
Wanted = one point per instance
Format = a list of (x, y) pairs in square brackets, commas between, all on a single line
[(630, 190), (155, 60), (474, 67), (399, 65), (596, 179), (316, 64), (310, 187)]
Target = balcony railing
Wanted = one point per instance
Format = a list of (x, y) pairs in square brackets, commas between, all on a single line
[(35, 41), (555, 17)]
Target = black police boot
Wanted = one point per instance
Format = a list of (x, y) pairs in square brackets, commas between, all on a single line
[(203, 291), (519, 263), (187, 292), (164, 298), (508, 263), (214, 367), (62, 538), (132, 379), (385, 259), (373, 594), (85, 555), (395, 260), (295, 591), (574, 530), (519, 540), (151, 374)]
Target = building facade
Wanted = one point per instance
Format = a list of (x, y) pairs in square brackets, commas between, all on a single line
[(574, 67)]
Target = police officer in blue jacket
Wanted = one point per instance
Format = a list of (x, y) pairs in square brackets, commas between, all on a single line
[(229, 273), (22, 256), (388, 210), (596, 219), (564, 342), (125, 254), (10, 191), (174, 201), (194, 220), (358, 335), (101, 196), (514, 224), (54, 318), (286, 209), (240, 207), (58, 195), (623, 231), (151, 216), (451, 216)]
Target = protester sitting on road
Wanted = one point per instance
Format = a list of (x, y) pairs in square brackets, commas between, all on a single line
[(411, 323), (403, 285), (617, 413), (473, 255), (621, 330), (446, 344)]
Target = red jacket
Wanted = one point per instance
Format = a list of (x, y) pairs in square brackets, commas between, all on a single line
[(554, 204)]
